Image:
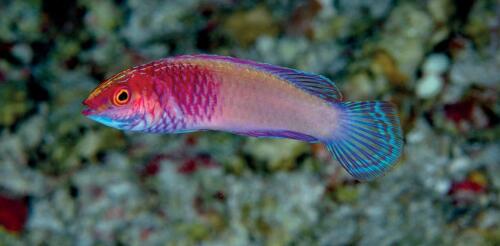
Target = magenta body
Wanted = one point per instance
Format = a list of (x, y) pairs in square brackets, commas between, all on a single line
[(197, 93), (204, 92)]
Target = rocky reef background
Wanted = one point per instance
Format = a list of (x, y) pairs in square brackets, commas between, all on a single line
[(65, 180)]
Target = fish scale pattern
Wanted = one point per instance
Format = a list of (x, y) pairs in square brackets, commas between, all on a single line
[(312, 83), (187, 94)]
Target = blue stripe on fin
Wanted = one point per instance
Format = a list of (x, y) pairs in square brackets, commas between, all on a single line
[(368, 139), (314, 84)]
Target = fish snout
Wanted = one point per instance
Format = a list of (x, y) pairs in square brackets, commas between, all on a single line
[(88, 110)]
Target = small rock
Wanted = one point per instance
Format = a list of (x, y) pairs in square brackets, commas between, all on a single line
[(436, 64), (384, 62), (23, 52), (459, 165), (247, 26), (429, 86)]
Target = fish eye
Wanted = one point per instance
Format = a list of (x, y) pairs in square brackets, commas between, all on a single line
[(121, 97)]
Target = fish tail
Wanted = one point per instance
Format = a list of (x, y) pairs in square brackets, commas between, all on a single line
[(368, 138)]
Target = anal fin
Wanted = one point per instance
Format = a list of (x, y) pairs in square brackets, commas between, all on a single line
[(279, 134)]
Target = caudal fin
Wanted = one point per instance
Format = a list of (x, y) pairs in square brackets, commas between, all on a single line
[(368, 139)]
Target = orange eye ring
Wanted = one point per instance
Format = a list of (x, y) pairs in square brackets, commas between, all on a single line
[(121, 97)]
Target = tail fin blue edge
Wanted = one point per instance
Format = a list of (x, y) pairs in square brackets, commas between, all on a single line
[(368, 139)]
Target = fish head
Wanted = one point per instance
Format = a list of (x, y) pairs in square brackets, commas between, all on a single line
[(119, 101)]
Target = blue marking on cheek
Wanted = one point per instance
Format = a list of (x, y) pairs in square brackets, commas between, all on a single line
[(108, 121)]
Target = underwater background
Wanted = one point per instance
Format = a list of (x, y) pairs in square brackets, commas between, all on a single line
[(66, 180)]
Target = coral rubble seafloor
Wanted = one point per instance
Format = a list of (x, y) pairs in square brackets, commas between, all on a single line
[(65, 180)]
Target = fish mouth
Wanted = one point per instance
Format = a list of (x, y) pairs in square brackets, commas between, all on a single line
[(87, 111), (103, 119), (98, 116), (108, 121)]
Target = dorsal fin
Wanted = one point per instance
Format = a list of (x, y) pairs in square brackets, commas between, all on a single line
[(314, 84)]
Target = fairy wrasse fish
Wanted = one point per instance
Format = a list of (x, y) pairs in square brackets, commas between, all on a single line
[(205, 92)]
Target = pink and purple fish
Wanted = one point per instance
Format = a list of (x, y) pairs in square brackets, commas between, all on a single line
[(206, 92)]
